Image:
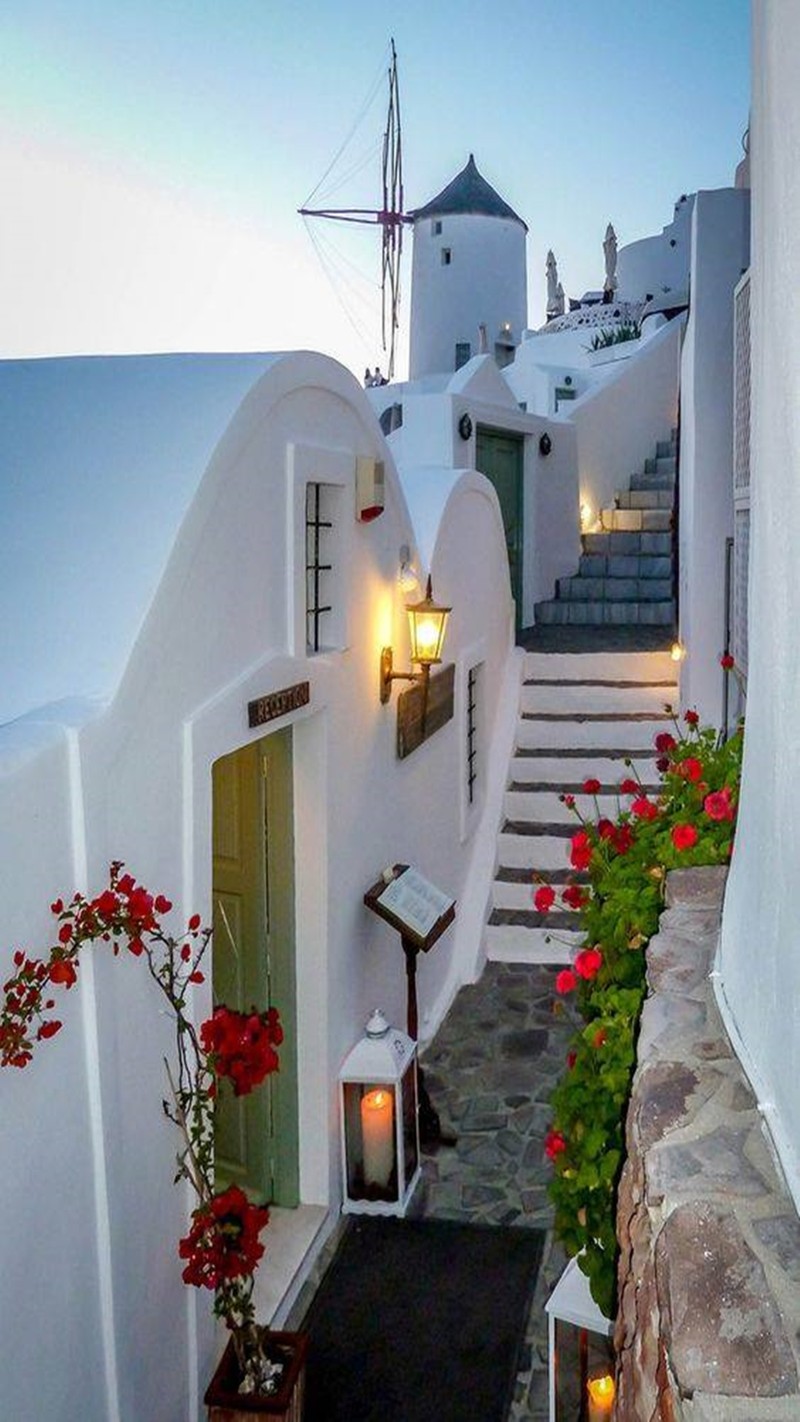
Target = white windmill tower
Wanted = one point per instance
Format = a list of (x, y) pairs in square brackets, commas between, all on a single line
[(468, 270)]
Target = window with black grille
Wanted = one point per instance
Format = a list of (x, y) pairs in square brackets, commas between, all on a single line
[(320, 570)]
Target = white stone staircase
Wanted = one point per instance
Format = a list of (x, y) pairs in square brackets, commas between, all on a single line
[(582, 714)]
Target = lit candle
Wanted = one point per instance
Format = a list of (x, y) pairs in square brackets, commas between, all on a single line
[(601, 1398), (377, 1130)]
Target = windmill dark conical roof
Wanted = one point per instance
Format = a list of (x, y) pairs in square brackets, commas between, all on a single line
[(468, 192)]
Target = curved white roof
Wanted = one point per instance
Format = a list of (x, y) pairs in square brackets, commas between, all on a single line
[(100, 458)]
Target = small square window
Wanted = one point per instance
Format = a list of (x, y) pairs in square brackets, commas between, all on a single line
[(447, 256), (463, 353), (436, 227)]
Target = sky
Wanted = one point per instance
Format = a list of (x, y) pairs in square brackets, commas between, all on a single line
[(154, 153)]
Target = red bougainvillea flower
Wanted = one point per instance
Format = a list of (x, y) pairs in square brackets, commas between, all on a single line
[(684, 836), (544, 898), (48, 1029), (690, 769), (581, 850), (727, 662), (644, 809), (194, 923), (588, 963), (591, 786), (691, 718), (242, 1045), (629, 787), (63, 972), (664, 742), (718, 805), (554, 1144), (223, 1242), (566, 981), (574, 896)]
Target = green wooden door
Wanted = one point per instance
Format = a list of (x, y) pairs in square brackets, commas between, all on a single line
[(256, 1142), (500, 456)]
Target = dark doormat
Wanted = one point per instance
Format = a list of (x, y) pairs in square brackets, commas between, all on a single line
[(420, 1321)]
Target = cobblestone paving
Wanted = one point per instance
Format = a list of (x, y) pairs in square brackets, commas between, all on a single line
[(490, 1072)]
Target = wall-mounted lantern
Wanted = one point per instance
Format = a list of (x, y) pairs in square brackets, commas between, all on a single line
[(427, 624), (380, 1125)]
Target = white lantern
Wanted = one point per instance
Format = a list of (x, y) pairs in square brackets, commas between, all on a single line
[(380, 1125), (581, 1361)]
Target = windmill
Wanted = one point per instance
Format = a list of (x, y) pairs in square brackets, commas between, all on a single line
[(389, 216)]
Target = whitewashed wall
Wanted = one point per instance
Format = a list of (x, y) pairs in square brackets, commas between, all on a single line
[(657, 264), (720, 253), (619, 421), (760, 962), (87, 1157)]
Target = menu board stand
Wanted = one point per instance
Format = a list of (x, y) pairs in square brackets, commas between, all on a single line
[(420, 913)]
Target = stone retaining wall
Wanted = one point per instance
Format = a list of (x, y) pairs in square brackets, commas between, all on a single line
[(708, 1328)]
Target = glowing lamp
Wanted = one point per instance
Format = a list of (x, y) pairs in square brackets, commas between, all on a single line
[(600, 1394), (379, 1118), (427, 624), (678, 652)]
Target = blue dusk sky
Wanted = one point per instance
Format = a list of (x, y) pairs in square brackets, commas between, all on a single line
[(153, 153)]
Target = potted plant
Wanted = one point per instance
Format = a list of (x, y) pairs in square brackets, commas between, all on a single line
[(260, 1370)]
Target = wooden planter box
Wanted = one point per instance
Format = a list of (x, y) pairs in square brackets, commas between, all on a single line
[(226, 1404)]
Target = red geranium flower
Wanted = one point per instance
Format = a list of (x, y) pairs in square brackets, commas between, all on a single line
[(223, 1242), (572, 1057), (718, 805), (591, 786), (684, 836), (574, 896), (664, 742), (644, 809), (727, 662), (63, 971), (663, 763), (691, 769), (691, 718), (569, 801), (588, 963), (622, 839), (544, 898), (566, 981), (581, 850), (629, 787), (554, 1144), (242, 1045), (606, 829)]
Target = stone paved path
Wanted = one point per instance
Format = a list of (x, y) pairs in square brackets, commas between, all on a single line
[(490, 1072)]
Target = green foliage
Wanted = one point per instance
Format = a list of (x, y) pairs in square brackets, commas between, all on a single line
[(689, 822), (615, 335)]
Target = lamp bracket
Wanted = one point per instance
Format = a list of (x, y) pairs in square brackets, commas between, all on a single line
[(388, 675)]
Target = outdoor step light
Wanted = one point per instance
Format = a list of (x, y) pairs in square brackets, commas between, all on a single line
[(380, 1121), (427, 623)]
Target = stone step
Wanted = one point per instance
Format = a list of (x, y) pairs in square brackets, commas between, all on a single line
[(543, 848), (605, 614), (599, 666), (538, 694), (666, 448), (627, 542), (636, 520), (536, 806), (516, 896), (512, 943), (625, 565), (607, 730), (614, 589), (645, 499), (653, 481), (574, 763)]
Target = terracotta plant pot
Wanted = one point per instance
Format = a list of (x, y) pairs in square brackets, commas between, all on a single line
[(226, 1404)]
